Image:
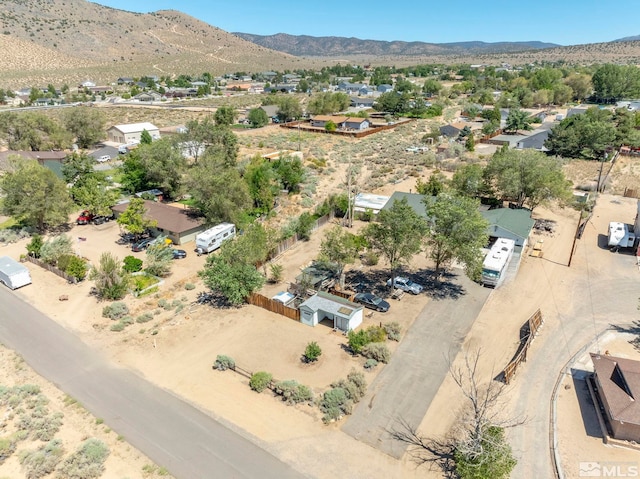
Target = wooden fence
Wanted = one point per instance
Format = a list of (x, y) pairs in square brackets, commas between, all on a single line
[(53, 269), (274, 306), (528, 333), (285, 244), (631, 193)]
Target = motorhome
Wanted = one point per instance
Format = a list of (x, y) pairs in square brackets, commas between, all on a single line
[(621, 235), (496, 262), (211, 239)]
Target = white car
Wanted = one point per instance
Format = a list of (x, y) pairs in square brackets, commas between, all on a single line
[(405, 284), (103, 158)]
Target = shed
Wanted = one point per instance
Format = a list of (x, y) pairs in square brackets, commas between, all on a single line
[(13, 274), (356, 123), (178, 224), (344, 314), (617, 391), (369, 201), (515, 224)]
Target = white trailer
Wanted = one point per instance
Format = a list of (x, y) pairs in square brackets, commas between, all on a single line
[(621, 235), (13, 274), (494, 266), (211, 239)]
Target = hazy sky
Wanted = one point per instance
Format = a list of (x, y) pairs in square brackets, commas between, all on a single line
[(567, 22)]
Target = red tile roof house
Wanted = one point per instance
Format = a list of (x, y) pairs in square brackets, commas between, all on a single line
[(617, 388), (176, 223)]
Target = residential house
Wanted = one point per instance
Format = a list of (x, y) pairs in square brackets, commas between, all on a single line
[(510, 223), (342, 313), (130, 133), (321, 121), (385, 88), (282, 88), (125, 81), (351, 88), (86, 84), (357, 102), (291, 78), (616, 391), (148, 96), (578, 110), (534, 141), (453, 130), (178, 224), (49, 159), (257, 88), (356, 123), (365, 91), (271, 110), (369, 202)]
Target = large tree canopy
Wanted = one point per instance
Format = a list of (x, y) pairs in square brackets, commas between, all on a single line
[(615, 82), (87, 124), (35, 195), (527, 177), (33, 132)]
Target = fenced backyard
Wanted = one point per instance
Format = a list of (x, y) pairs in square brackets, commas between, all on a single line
[(51, 268), (277, 307)]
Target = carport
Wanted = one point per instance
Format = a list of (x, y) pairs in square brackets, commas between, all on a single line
[(344, 314)]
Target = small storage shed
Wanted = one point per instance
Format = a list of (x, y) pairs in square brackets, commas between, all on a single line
[(344, 314), (13, 274)]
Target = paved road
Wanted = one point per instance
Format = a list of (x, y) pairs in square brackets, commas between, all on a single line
[(406, 386), (189, 443)]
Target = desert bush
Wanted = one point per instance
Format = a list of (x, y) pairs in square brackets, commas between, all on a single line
[(117, 327), (131, 264), (370, 363), (357, 340), (276, 272), (371, 258), (292, 392), (86, 463), (377, 351), (144, 318), (189, 286), (376, 334), (34, 246), (355, 385), (75, 267), (312, 352), (393, 330), (53, 249), (115, 310), (164, 304), (304, 225), (7, 448), (335, 404), (223, 363), (42, 461), (39, 424), (260, 381)]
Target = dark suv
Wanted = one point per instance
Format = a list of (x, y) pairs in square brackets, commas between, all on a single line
[(142, 245)]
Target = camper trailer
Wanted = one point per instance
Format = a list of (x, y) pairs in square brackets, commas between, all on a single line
[(621, 235), (211, 239), (13, 274), (496, 262)]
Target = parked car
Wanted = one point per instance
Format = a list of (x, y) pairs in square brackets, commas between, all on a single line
[(103, 158), (142, 245), (84, 218), (405, 284), (372, 301), (98, 220), (179, 253)]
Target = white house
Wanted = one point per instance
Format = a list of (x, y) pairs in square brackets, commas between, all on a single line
[(131, 132), (344, 314)]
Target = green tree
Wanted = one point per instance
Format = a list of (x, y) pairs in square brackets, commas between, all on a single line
[(328, 102), (258, 117), (312, 352), (330, 126), (468, 180), (289, 108), (163, 165), (470, 143), (562, 94), (517, 120), (33, 132), (615, 82), (95, 194), (225, 115), (527, 177), (431, 87), (230, 274), (145, 138), (580, 85), (34, 195), (87, 125), (303, 226), (134, 173), (457, 231), (339, 246), (262, 183), (111, 281), (397, 235), (435, 184), (289, 171), (159, 257), (493, 459), (35, 245), (76, 166), (134, 219)]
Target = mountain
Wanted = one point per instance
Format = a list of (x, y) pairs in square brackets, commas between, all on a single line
[(634, 38), (77, 35), (305, 45)]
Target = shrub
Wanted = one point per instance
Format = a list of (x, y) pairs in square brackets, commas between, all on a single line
[(312, 352), (393, 330), (304, 225), (164, 304), (7, 448), (223, 363), (276, 272), (132, 264), (189, 286), (370, 364), (376, 334), (87, 462), (260, 381), (115, 310), (292, 392), (377, 351), (39, 424), (42, 461), (34, 246), (371, 258), (357, 340), (76, 267), (53, 249), (144, 318), (355, 385), (119, 326), (335, 404)]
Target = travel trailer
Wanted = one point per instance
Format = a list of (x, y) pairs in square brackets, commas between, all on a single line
[(211, 239), (13, 274), (621, 235), (497, 261)]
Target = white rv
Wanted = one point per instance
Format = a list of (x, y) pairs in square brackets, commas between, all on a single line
[(13, 274), (494, 266), (211, 239), (620, 236)]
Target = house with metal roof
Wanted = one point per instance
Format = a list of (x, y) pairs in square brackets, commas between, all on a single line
[(130, 133), (369, 202), (344, 314), (515, 224)]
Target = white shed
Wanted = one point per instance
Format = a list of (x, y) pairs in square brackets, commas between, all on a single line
[(131, 133), (344, 314), (13, 274)]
